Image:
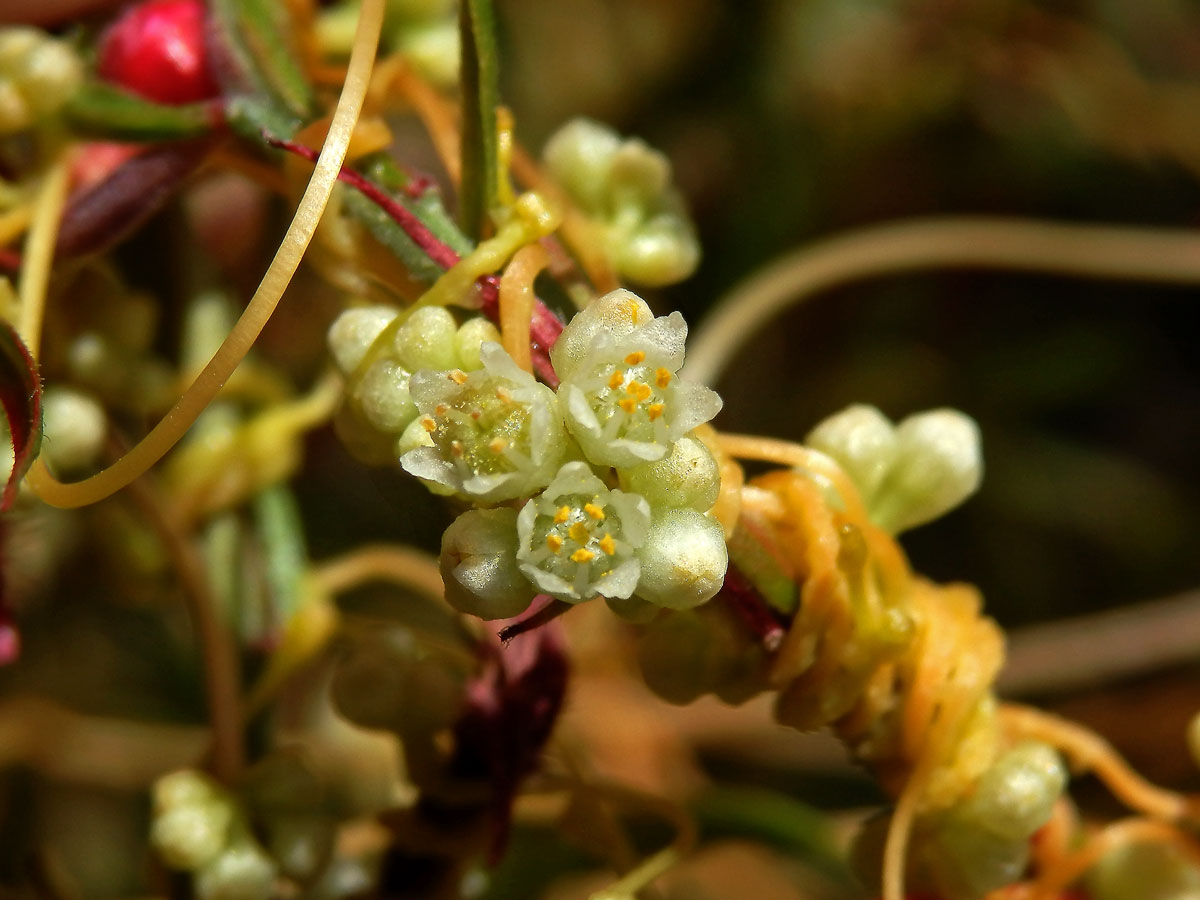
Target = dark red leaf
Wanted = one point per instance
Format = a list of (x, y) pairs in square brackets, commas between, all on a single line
[(21, 394)]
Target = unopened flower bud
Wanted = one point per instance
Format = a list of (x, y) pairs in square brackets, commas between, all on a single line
[(683, 559), (479, 565), (862, 441)]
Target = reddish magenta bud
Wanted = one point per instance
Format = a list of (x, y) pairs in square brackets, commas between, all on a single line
[(156, 49)]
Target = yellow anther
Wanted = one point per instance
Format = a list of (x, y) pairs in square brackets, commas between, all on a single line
[(497, 445), (458, 376), (582, 556), (579, 533), (628, 404), (615, 379), (456, 448), (634, 358), (654, 410), (642, 391), (608, 545), (428, 424), (554, 542), (503, 395), (563, 513), (441, 409), (594, 511), (662, 377)]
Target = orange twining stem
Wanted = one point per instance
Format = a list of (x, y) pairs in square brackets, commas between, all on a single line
[(516, 302)]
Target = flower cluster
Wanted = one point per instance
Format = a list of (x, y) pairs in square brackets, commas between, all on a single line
[(625, 187), (614, 484), (378, 350), (909, 473)]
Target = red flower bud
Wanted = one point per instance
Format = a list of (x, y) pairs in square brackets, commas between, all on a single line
[(157, 49)]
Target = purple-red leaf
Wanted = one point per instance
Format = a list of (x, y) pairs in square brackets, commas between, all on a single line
[(21, 394)]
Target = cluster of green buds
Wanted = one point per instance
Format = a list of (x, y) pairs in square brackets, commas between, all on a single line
[(199, 827), (982, 843), (378, 350), (38, 74), (600, 489), (626, 187), (908, 474), (424, 31)]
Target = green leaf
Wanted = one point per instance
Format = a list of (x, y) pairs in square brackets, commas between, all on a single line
[(106, 111), (480, 97), (21, 394), (281, 530), (256, 35)]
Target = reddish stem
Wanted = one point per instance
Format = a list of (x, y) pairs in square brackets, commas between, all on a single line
[(543, 609), (744, 599), (417, 231), (544, 328)]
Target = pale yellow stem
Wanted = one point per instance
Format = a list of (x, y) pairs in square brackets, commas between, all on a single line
[(39, 252)]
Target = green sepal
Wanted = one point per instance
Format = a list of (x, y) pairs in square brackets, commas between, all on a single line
[(105, 111), (255, 33)]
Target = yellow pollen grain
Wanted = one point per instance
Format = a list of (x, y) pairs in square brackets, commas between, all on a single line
[(497, 445), (582, 556), (428, 424), (629, 404), (563, 513), (458, 376), (608, 545), (456, 448), (594, 511), (554, 542), (615, 379), (662, 377), (634, 358), (654, 410), (579, 533)]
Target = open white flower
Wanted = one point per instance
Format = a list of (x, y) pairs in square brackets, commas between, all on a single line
[(496, 433), (578, 539), (621, 394)]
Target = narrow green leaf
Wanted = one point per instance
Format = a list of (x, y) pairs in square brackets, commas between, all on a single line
[(255, 34), (480, 97), (106, 111), (21, 395), (281, 530)]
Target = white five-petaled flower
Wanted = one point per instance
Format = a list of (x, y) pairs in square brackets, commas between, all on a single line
[(620, 393), (579, 539), (497, 433)]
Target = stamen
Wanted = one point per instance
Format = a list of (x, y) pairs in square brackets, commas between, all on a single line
[(582, 556), (662, 377), (642, 391), (456, 448), (503, 395), (441, 409), (497, 445), (654, 410), (634, 358), (628, 404), (563, 513), (555, 543), (594, 511), (579, 533), (458, 376), (615, 379), (608, 545), (428, 424)]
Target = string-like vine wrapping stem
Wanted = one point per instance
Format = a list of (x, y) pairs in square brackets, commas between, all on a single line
[(1160, 255), (279, 274)]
